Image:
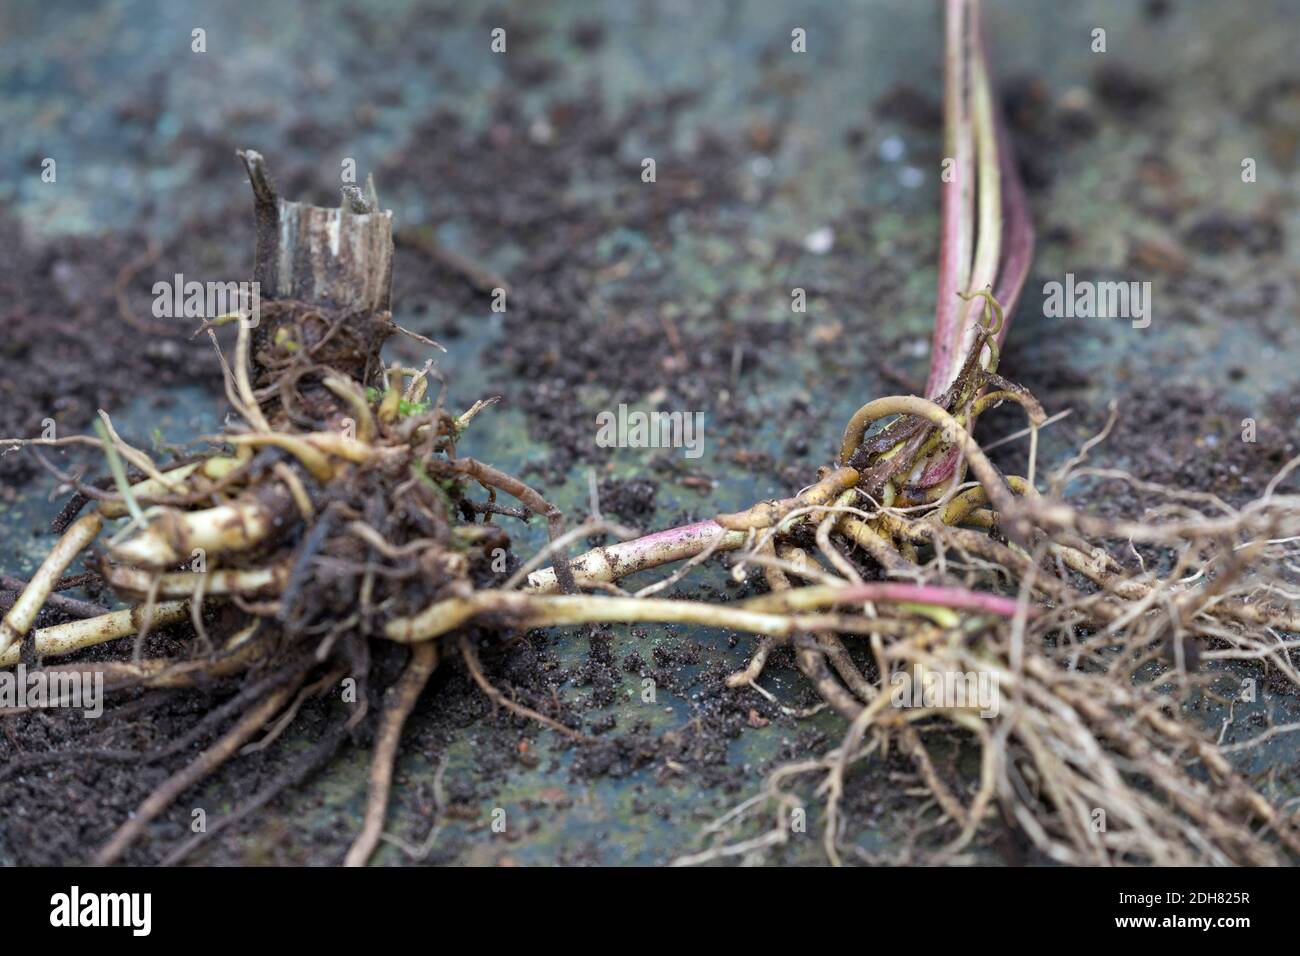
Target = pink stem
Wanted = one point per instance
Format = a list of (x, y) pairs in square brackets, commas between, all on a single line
[(687, 541), (1018, 239), (1017, 253), (1013, 268), (628, 557), (956, 598), (956, 204)]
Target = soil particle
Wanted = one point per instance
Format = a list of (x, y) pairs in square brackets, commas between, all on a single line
[(909, 105), (1219, 233), (631, 500), (588, 35), (1123, 91), (1041, 129), (1156, 10)]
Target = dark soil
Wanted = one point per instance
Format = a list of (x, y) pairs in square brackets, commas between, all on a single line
[(575, 321), (65, 349)]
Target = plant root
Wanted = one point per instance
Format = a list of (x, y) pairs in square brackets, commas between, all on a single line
[(424, 659), (334, 519)]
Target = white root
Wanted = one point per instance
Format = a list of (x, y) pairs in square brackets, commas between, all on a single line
[(220, 582), (174, 536), (22, 615), (149, 488), (627, 557), (75, 635)]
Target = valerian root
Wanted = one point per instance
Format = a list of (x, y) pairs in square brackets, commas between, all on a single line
[(333, 519), (1063, 646)]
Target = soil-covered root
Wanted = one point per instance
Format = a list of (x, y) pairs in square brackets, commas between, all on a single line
[(335, 519), (335, 503), (1088, 750)]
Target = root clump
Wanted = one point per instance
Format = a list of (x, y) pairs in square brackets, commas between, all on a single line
[(332, 519)]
